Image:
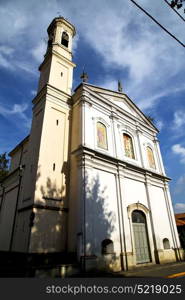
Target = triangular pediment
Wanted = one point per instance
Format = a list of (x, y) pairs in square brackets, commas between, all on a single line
[(121, 101)]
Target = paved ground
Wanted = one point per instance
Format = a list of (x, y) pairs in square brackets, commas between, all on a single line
[(158, 271), (176, 270)]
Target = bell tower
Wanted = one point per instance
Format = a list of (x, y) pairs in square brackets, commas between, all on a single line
[(57, 67), (47, 172)]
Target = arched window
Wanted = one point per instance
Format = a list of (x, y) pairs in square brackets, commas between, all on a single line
[(102, 136), (150, 157), (138, 217), (107, 246), (128, 146), (65, 39), (166, 243)]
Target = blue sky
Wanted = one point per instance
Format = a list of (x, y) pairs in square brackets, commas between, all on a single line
[(114, 40)]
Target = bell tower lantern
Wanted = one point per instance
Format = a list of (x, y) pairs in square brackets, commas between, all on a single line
[(57, 67)]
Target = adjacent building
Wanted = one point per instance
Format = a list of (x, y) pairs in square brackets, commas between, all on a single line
[(180, 222)]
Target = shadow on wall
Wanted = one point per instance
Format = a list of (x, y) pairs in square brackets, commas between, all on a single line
[(50, 219), (49, 231), (100, 220)]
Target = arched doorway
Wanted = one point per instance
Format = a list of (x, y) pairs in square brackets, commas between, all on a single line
[(140, 237)]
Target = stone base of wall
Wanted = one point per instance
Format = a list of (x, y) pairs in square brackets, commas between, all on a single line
[(108, 262), (170, 255), (117, 263), (182, 253)]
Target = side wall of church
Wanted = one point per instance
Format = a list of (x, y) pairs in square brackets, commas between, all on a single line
[(9, 198)]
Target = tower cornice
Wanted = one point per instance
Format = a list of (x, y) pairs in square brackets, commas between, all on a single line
[(49, 54), (61, 20)]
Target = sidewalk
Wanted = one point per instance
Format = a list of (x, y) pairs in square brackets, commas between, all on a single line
[(154, 271)]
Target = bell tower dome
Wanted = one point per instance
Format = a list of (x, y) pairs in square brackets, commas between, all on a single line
[(57, 67)]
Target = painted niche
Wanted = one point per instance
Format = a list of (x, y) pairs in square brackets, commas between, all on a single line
[(150, 156), (128, 146), (102, 136)]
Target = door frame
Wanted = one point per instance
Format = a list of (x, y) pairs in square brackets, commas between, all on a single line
[(146, 211), (145, 232)]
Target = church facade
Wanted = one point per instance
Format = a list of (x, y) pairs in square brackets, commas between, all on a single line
[(89, 179)]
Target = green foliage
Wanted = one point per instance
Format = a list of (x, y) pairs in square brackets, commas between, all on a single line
[(177, 4), (3, 166)]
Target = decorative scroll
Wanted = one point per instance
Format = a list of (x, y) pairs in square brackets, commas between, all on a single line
[(102, 136)]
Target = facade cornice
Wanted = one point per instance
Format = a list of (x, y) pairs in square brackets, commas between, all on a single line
[(49, 54), (82, 151)]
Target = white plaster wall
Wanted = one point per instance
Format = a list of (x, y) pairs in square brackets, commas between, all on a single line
[(48, 233), (134, 191), (30, 172), (160, 216), (53, 150), (125, 106), (61, 81), (101, 211)]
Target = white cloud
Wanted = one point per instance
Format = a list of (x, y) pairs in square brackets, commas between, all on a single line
[(22, 32), (110, 83), (133, 44), (160, 124), (39, 51), (179, 207), (154, 99), (179, 119), (5, 57), (33, 92), (75, 43), (18, 110), (6, 50), (123, 37), (180, 185), (178, 149)]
